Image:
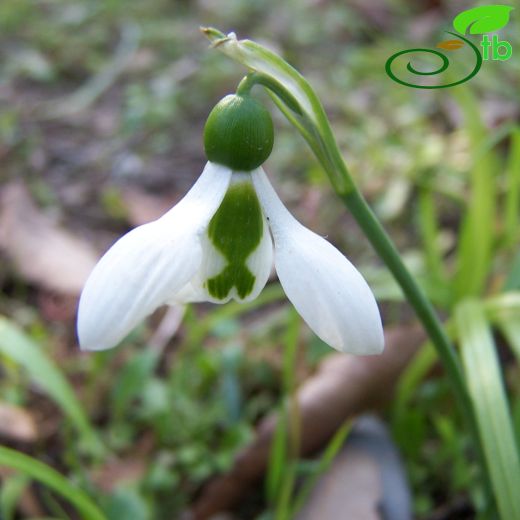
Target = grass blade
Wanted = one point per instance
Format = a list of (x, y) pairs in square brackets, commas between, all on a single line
[(405, 416), (429, 226), (512, 202), (503, 311), (10, 492), (51, 478), (332, 449), (488, 395), (18, 347), (474, 252), (277, 460), (285, 448)]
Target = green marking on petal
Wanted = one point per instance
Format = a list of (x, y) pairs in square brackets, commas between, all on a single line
[(236, 230)]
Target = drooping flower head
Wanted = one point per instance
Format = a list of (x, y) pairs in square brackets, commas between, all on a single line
[(218, 244)]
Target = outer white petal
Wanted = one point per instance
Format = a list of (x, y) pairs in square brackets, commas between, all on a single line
[(259, 262), (147, 265), (325, 288)]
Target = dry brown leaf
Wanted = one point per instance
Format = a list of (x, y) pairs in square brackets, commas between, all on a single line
[(17, 424), (40, 250), (344, 386)]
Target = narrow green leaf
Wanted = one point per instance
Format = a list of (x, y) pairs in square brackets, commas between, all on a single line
[(17, 346), (292, 431), (416, 371), (512, 202), (46, 475), (10, 492), (483, 19), (284, 496), (512, 281), (489, 400), (324, 463), (284, 451), (428, 222), (506, 304), (277, 460), (474, 253), (504, 312)]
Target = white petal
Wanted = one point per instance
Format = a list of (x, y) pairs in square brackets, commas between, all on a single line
[(192, 292), (325, 288), (259, 263), (203, 199), (147, 265)]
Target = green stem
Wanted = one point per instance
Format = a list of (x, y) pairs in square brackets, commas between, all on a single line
[(384, 247), (386, 250), (254, 78)]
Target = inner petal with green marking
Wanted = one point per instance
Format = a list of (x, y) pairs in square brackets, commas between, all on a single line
[(238, 232)]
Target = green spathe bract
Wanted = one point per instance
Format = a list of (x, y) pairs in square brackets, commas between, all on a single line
[(235, 230), (238, 133)]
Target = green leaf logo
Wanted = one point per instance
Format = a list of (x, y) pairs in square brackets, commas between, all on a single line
[(483, 19)]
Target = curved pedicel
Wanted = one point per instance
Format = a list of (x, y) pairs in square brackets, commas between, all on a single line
[(442, 68)]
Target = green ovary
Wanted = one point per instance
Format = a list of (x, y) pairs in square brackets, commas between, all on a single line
[(235, 230)]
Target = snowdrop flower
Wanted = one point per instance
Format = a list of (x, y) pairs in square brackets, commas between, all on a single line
[(219, 243)]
